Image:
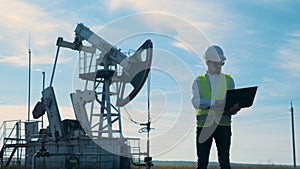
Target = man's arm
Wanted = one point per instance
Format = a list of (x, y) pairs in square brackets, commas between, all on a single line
[(236, 107), (197, 101), (220, 103)]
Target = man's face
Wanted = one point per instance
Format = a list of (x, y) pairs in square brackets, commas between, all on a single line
[(214, 67)]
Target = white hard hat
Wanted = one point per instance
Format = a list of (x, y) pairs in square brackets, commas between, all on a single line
[(214, 53)]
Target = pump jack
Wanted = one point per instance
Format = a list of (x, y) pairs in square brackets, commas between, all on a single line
[(134, 72)]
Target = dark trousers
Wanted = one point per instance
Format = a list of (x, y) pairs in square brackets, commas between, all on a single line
[(222, 137)]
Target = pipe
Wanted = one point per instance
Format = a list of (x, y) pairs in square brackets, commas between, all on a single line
[(33, 160)]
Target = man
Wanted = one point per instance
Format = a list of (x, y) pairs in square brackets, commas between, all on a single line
[(213, 123)]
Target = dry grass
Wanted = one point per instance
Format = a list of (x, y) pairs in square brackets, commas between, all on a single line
[(212, 167), (192, 167)]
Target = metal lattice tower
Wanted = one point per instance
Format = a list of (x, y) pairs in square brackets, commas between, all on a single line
[(104, 117)]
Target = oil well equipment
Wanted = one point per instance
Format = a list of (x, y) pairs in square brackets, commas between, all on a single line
[(110, 79)]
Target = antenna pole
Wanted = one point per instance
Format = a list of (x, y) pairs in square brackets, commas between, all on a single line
[(293, 134), (148, 159), (29, 79), (43, 90)]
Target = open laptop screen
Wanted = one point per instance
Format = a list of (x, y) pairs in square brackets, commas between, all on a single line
[(243, 96)]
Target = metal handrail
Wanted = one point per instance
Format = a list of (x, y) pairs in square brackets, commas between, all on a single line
[(3, 127), (11, 139), (13, 129)]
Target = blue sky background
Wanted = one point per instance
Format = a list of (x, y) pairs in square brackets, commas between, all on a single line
[(261, 40)]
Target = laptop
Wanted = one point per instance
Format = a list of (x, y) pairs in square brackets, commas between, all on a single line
[(243, 96)]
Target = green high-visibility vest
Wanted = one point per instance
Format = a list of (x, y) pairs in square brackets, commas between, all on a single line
[(206, 117)]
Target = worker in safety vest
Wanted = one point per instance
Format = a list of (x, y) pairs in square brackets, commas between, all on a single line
[(213, 123)]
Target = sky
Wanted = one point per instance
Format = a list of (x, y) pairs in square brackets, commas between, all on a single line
[(261, 40)]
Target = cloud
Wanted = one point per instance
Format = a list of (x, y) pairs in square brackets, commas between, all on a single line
[(23, 61), (197, 10), (194, 27), (198, 13), (23, 21), (19, 112), (294, 34), (287, 57), (182, 46)]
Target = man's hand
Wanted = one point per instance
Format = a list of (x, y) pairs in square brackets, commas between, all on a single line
[(234, 109)]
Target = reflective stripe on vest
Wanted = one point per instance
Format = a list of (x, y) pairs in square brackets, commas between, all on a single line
[(207, 117)]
